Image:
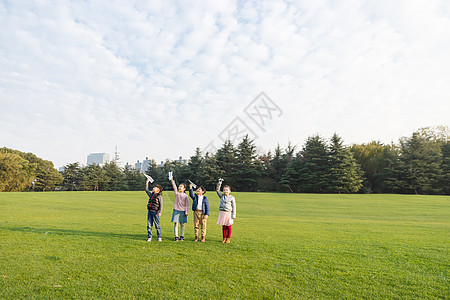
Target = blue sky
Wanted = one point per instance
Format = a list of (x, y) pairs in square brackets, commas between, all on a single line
[(159, 78)]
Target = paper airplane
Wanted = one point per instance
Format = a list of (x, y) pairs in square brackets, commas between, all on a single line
[(170, 176), (193, 184), (149, 178)]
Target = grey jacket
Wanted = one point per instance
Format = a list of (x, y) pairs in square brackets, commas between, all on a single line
[(227, 203)]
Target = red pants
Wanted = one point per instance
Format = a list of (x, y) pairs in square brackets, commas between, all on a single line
[(226, 231)]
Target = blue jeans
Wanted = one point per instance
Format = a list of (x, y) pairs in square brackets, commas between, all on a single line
[(152, 217)]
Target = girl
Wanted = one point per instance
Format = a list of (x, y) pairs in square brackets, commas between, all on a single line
[(200, 207), (180, 209), (227, 212)]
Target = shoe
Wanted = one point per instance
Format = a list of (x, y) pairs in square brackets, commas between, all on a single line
[(159, 239), (196, 238), (227, 241), (149, 240), (203, 239), (181, 238), (224, 239), (176, 239)]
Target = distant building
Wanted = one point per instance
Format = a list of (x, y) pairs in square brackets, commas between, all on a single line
[(138, 166), (97, 158), (143, 166)]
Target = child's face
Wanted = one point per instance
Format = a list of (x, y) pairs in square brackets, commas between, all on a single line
[(156, 190), (181, 188), (226, 191), (199, 191)]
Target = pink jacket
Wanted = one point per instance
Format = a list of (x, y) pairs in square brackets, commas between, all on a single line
[(181, 200)]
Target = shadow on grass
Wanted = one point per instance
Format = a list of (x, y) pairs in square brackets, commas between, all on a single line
[(71, 232)]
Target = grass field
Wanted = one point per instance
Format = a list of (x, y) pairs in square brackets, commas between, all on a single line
[(93, 245)]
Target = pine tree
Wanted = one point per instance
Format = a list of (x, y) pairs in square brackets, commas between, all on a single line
[(227, 162), (421, 158), (247, 170), (345, 175), (209, 172), (313, 166), (72, 177), (195, 163), (114, 177)]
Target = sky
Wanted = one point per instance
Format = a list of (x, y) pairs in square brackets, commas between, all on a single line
[(158, 79)]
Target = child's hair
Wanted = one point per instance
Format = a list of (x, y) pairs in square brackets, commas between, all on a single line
[(227, 186), (183, 184), (203, 189), (159, 187)]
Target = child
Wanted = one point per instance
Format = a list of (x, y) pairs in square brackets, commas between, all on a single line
[(180, 209), (200, 207), (227, 211), (154, 207)]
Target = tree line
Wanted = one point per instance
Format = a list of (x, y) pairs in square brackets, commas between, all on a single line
[(419, 164), (20, 171)]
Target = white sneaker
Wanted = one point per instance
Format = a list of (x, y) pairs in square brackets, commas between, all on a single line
[(159, 239), (149, 240)]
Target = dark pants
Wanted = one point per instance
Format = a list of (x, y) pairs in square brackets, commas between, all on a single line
[(152, 217)]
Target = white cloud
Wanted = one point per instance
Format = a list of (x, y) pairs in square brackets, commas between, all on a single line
[(153, 77)]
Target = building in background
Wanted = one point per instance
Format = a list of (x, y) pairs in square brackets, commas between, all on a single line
[(138, 166), (143, 166), (97, 158)]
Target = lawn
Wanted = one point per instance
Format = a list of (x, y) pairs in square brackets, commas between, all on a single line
[(93, 245)]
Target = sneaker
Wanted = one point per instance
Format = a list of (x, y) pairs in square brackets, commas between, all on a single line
[(159, 239), (149, 240), (176, 239), (181, 238)]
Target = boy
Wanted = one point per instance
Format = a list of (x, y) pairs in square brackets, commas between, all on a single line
[(200, 206), (154, 207)]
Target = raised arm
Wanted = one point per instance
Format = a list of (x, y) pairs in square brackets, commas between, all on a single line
[(146, 189), (175, 190), (191, 192), (219, 193)]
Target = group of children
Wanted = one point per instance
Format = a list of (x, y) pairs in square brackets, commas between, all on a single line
[(200, 207)]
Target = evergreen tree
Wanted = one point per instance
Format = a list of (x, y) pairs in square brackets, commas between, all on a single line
[(290, 179), (421, 160), (134, 180), (308, 171), (209, 172), (313, 167), (267, 182), (94, 178), (47, 177), (227, 162), (247, 170), (392, 170), (114, 177), (195, 163), (71, 176), (279, 163), (345, 174)]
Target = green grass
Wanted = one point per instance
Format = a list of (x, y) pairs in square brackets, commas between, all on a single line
[(93, 245)]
